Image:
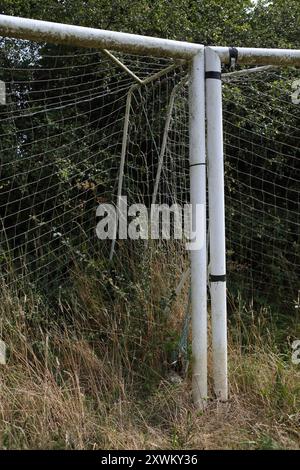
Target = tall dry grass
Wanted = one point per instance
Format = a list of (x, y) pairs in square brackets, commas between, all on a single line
[(93, 371)]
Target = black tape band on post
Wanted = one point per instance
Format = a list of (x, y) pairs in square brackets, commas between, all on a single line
[(217, 278), (212, 74), (197, 164)]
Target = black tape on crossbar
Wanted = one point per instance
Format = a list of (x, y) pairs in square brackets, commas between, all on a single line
[(233, 57)]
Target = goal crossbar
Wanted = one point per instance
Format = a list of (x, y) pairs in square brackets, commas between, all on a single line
[(37, 30), (58, 33)]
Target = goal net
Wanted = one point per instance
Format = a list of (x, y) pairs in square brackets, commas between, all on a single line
[(80, 128), (261, 147)]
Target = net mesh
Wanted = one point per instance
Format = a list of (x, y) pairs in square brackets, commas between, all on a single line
[(62, 140), (261, 130), (62, 132)]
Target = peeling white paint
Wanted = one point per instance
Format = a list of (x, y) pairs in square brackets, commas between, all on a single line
[(90, 37), (59, 33)]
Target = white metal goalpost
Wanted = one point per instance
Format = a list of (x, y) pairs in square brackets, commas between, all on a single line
[(206, 162)]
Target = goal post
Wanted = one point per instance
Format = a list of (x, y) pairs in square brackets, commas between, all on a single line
[(188, 158), (217, 251), (198, 257)]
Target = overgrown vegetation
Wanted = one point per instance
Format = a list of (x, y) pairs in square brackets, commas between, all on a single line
[(95, 373), (91, 346)]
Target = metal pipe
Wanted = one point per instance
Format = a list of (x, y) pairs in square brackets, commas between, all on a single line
[(36, 30), (198, 256), (216, 221), (122, 164), (226, 77), (122, 66), (130, 92), (165, 137), (260, 56)]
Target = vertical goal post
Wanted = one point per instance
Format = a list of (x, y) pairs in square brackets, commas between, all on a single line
[(217, 250), (205, 147)]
